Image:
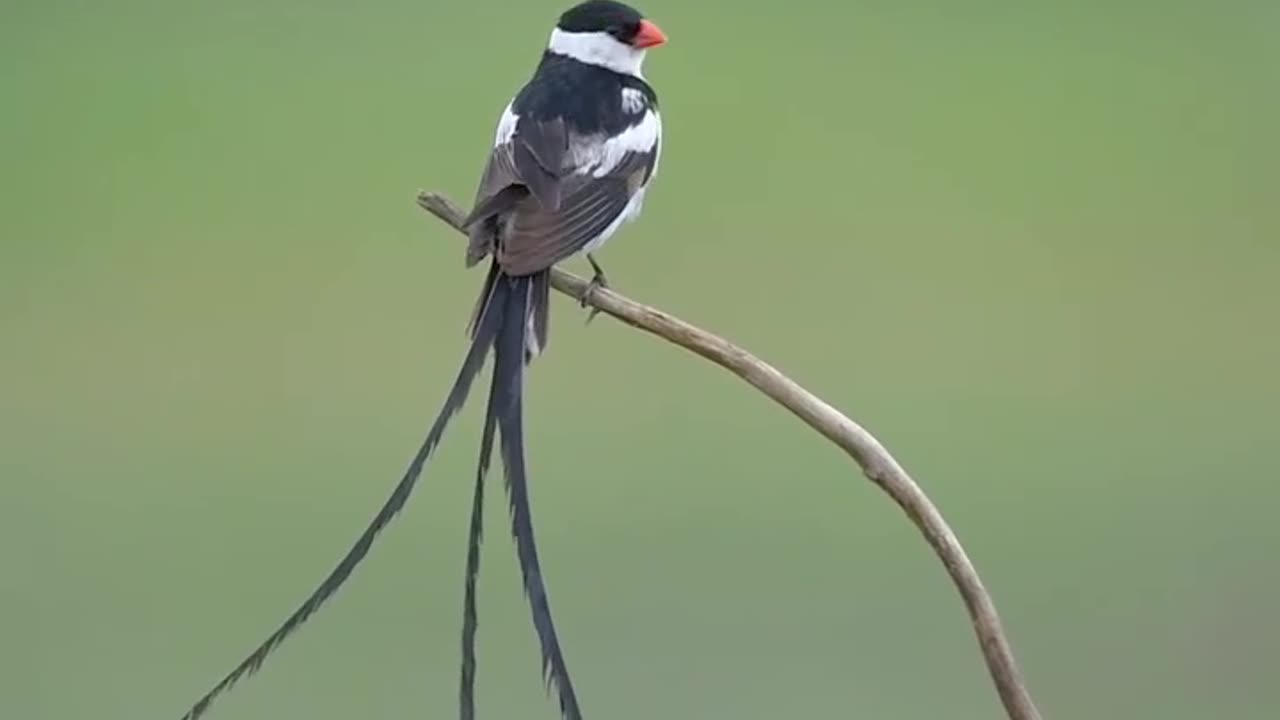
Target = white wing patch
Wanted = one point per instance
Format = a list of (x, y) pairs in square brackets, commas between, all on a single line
[(633, 101), (641, 137), (506, 126)]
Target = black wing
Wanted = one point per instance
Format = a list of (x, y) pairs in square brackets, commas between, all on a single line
[(539, 237), (540, 216)]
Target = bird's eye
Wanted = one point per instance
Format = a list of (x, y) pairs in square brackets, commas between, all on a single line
[(624, 32)]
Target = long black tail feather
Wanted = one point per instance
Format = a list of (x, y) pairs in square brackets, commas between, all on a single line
[(484, 330), (466, 691), (511, 354)]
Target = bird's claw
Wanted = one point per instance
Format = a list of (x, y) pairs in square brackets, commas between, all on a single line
[(597, 282)]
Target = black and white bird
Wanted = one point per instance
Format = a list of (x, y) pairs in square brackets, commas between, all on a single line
[(573, 154), (574, 150)]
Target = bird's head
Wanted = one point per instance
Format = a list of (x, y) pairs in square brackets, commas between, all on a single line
[(606, 33)]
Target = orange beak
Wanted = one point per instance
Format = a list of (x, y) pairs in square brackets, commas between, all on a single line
[(650, 36)]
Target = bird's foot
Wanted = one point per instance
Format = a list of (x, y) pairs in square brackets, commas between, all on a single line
[(598, 280)]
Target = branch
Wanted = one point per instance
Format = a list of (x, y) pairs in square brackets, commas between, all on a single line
[(876, 462)]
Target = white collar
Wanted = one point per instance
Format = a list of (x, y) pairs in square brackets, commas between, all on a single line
[(600, 49)]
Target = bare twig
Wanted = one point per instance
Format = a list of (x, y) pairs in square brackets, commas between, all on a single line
[(876, 462)]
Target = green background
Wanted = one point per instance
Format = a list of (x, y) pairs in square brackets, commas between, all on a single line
[(1034, 247)]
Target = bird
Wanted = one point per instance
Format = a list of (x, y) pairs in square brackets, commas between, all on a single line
[(573, 154)]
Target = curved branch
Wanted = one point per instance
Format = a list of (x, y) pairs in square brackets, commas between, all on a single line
[(876, 462)]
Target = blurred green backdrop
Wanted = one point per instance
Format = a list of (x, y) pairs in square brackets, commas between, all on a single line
[(1035, 247)]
